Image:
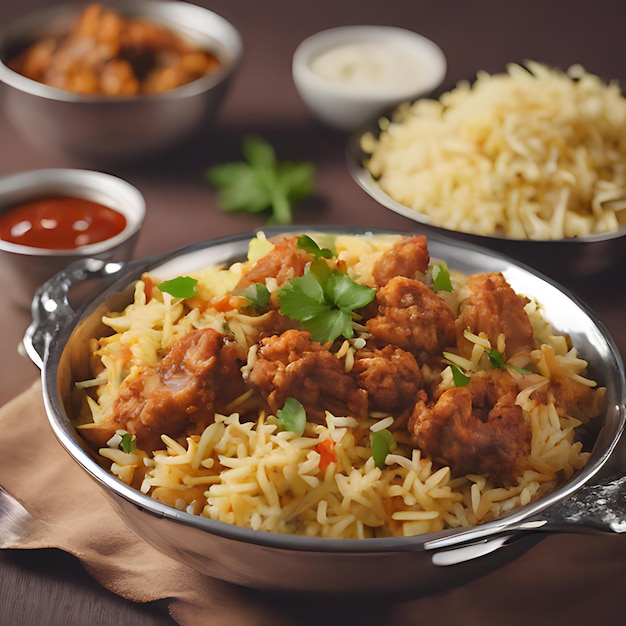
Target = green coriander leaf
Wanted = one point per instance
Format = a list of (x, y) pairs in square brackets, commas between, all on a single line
[(239, 188), (460, 379), (329, 325), (291, 182), (261, 182), (257, 294), (281, 208), (227, 174), (292, 416), (322, 272), (496, 358), (302, 298), (295, 179), (128, 443), (347, 294), (324, 300), (248, 196), (181, 287), (258, 152), (382, 443), (441, 278), (309, 245)]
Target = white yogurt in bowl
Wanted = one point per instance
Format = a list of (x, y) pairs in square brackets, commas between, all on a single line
[(364, 65), (348, 74)]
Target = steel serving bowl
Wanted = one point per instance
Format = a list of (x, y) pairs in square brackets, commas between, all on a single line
[(58, 342), (559, 258), (106, 129)]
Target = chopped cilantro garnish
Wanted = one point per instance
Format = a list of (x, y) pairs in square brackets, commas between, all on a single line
[(441, 278), (128, 443), (496, 358), (257, 294), (302, 298), (382, 443), (307, 243), (324, 301), (292, 416), (460, 379), (181, 287)]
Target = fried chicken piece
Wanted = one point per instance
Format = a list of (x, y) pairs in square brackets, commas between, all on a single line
[(408, 258), (493, 307), (179, 397), (111, 54), (292, 365), (476, 429), (413, 317), (390, 376), (283, 262)]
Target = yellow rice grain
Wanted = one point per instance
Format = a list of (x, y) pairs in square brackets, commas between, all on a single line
[(413, 516)]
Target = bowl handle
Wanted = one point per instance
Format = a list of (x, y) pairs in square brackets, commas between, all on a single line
[(51, 308), (596, 508)]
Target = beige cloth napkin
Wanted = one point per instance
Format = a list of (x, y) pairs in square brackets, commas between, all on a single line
[(573, 579)]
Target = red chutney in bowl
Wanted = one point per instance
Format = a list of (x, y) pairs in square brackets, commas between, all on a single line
[(60, 223)]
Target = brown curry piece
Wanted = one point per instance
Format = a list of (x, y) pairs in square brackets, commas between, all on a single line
[(108, 54)]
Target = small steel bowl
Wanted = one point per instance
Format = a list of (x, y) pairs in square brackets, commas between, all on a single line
[(24, 268), (99, 129)]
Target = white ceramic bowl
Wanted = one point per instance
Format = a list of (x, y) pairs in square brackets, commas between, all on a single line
[(347, 75)]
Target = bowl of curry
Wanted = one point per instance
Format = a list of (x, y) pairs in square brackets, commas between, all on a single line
[(108, 82)]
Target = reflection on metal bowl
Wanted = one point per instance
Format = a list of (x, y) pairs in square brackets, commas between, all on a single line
[(416, 565)]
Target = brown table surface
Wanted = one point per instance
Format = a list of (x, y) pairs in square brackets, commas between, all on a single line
[(48, 587)]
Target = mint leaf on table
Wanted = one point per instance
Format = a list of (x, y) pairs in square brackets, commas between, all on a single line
[(261, 182)]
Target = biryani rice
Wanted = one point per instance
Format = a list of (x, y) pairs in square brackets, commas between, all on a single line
[(532, 153), (260, 476)]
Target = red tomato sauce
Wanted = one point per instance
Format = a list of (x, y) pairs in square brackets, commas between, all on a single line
[(61, 223)]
